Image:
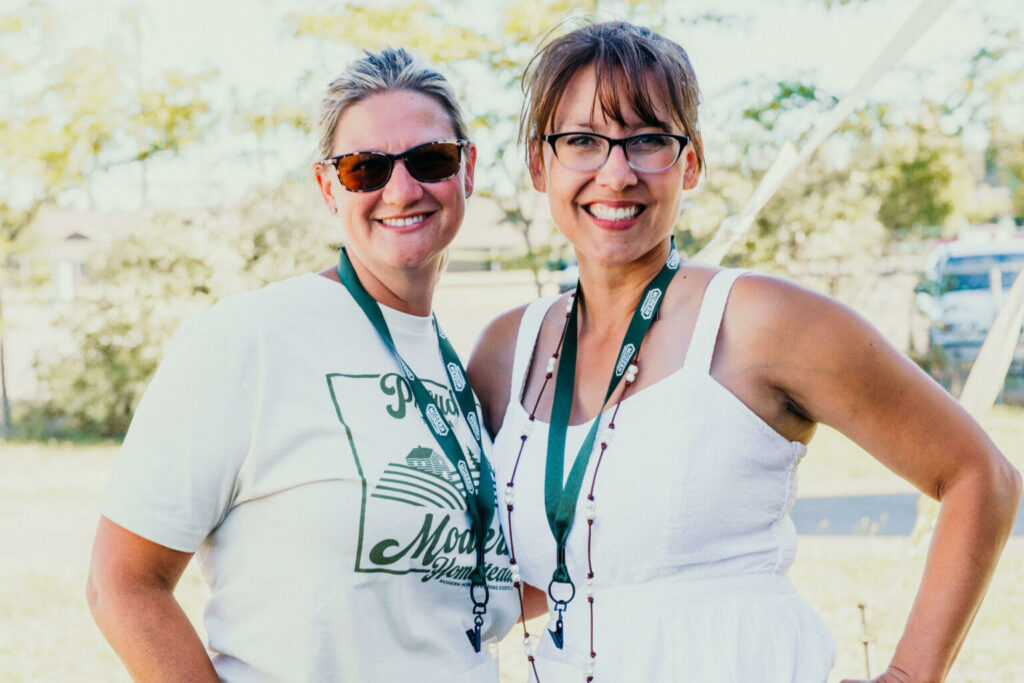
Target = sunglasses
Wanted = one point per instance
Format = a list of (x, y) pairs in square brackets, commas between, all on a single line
[(430, 162)]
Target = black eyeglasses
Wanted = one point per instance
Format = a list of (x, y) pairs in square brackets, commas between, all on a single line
[(647, 152), (430, 162)]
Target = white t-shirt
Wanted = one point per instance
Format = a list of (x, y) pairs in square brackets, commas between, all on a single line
[(278, 441)]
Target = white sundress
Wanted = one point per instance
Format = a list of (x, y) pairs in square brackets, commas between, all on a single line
[(692, 536)]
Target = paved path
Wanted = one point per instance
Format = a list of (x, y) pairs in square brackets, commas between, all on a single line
[(880, 515)]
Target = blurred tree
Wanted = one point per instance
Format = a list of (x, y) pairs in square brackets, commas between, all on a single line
[(67, 115), (922, 175), (149, 283), (992, 96)]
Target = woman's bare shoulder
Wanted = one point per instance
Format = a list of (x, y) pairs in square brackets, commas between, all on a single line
[(490, 364)]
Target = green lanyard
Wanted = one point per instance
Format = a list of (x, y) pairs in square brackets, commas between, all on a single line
[(479, 499), (559, 502)]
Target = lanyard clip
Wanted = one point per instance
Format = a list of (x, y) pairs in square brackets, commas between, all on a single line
[(474, 633), (479, 610), (558, 634)]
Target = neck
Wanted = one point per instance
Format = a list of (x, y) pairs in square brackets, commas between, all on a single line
[(406, 290), (612, 292)]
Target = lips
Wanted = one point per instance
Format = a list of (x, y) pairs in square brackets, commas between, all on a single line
[(408, 222), (614, 214)]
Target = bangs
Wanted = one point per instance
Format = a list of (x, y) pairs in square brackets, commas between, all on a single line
[(636, 71), (624, 86)]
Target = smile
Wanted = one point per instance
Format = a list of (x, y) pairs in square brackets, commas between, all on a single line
[(404, 222), (613, 213)]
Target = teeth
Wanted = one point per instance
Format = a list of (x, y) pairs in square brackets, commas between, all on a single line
[(609, 213), (402, 222)]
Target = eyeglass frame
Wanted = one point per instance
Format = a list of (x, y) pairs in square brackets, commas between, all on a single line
[(333, 162), (552, 138)]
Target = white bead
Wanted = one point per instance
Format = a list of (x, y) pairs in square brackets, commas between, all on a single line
[(516, 578), (606, 436), (590, 666), (528, 645), (528, 428), (551, 364), (590, 589), (589, 508)]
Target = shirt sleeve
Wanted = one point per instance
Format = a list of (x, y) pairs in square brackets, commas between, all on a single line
[(175, 476)]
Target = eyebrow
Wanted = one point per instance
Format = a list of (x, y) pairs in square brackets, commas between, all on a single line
[(581, 125)]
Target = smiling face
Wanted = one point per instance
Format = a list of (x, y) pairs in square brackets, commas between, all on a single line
[(407, 223), (613, 214)]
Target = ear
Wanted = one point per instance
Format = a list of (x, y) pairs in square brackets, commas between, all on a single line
[(691, 172), (536, 163), (323, 179), (470, 163)]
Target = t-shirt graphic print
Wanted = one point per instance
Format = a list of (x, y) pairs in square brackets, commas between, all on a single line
[(413, 515)]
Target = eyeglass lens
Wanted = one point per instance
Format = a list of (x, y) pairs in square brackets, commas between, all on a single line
[(649, 153), (427, 163)]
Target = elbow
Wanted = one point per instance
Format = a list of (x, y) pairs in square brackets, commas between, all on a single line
[(994, 489), (1015, 485), (1004, 488), (94, 595)]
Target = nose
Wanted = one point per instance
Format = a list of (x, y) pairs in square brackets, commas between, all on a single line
[(617, 174), (402, 189)]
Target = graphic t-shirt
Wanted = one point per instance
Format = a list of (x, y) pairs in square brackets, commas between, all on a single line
[(279, 442)]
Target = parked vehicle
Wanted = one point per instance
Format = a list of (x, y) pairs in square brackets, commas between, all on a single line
[(963, 288)]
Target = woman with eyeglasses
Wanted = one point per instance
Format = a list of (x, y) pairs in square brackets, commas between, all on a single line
[(649, 427), (316, 442)]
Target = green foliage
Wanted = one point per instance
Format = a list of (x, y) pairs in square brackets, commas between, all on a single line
[(68, 115), (789, 96), (1006, 155), (169, 270), (922, 176)]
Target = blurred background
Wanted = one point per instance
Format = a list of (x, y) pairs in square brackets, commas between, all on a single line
[(155, 157)]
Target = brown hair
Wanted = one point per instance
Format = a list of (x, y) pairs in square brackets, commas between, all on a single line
[(626, 59), (384, 71)]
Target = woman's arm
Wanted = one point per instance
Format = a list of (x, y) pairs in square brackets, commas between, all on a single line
[(131, 596), (839, 370), (490, 366)]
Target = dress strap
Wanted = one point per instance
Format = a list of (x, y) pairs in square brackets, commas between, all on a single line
[(526, 343), (709, 319)]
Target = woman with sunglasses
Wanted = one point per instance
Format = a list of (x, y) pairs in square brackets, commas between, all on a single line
[(316, 442), (649, 427)]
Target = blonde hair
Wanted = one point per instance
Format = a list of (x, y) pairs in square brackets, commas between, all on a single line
[(378, 72)]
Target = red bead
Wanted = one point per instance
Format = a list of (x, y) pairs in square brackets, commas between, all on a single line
[(509, 507)]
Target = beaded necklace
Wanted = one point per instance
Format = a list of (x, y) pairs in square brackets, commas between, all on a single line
[(627, 369)]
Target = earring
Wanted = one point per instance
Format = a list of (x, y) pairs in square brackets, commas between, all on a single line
[(334, 210)]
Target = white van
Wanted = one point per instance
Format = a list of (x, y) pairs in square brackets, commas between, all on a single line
[(964, 285)]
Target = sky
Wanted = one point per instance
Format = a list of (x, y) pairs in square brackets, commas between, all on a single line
[(251, 45)]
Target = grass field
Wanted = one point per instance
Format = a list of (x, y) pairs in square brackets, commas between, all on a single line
[(47, 517)]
